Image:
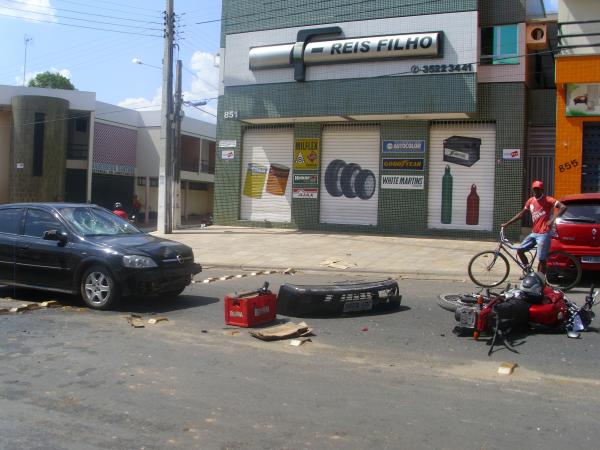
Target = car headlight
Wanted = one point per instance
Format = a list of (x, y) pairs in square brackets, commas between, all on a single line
[(138, 262)]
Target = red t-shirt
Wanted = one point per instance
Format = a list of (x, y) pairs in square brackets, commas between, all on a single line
[(541, 210), (122, 214)]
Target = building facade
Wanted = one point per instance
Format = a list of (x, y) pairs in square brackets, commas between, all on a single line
[(578, 98), (391, 117), (58, 144)]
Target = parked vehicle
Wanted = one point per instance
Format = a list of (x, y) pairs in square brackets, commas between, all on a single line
[(86, 250), (496, 315), (578, 230)]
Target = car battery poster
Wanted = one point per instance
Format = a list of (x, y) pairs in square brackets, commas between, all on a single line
[(461, 176)]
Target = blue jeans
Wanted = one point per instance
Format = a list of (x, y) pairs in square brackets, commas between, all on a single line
[(542, 240)]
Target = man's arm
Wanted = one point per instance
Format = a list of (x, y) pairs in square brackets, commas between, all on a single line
[(514, 219), (561, 210)]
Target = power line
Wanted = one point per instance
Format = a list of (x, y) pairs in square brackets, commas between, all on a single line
[(76, 12), (82, 26), (85, 20)]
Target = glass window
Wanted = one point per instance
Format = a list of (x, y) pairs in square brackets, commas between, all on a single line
[(37, 222), (583, 212), (97, 222), (500, 45), (10, 219)]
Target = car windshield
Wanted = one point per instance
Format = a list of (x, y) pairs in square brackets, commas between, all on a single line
[(89, 221), (583, 212)]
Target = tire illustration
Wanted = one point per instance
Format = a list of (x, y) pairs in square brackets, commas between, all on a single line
[(563, 270), (332, 177), (98, 288), (488, 269), (365, 184), (348, 180)]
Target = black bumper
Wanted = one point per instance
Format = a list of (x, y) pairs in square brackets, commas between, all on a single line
[(158, 281), (303, 301)]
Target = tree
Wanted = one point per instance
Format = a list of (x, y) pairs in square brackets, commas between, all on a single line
[(51, 80)]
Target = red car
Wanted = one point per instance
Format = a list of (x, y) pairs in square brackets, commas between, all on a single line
[(578, 229)]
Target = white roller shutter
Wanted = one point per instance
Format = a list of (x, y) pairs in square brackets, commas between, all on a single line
[(350, 175), (267, 174), (464, 153)]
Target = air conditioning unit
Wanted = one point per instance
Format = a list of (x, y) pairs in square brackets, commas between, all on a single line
[(537, 36)]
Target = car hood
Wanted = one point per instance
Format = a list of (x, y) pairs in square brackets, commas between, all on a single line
[(159, 249)]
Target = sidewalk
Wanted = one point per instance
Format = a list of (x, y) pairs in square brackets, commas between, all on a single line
[(266, 248)]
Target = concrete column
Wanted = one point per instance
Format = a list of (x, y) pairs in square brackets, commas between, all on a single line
[(90, 157), (146, 202)]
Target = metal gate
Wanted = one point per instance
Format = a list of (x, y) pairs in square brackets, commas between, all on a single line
[(541, 150), (590, 170)]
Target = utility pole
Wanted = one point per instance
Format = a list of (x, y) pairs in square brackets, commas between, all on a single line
[(165, 175), (27, 39), (177, 148)]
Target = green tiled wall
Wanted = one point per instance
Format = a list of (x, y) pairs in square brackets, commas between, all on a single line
[(240, 16)]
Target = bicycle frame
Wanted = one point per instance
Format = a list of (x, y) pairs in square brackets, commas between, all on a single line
[(504, 246)]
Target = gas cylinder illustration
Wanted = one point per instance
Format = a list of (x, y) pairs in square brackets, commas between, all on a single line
[(473, 206), (447, 196)]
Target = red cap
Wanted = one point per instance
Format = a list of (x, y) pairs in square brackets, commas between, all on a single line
[(537, 185)]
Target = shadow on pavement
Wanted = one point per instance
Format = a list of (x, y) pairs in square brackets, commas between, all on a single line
[(163, 305)]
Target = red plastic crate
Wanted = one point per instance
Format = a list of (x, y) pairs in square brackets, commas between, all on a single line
[(250, 308)]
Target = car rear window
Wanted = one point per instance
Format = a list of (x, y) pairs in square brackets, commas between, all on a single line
[(582, 212), (10, 219)]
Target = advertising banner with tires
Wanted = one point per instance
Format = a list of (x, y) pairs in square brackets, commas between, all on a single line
[(461, 176), (267, 174), (349, 175)]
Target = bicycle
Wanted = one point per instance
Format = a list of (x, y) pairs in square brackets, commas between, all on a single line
[(491, 267)]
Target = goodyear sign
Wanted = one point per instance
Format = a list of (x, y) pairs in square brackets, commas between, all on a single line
[(403, 164), (307, 154)]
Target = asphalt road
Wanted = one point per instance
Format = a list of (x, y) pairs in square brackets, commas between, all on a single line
[(81, 379)]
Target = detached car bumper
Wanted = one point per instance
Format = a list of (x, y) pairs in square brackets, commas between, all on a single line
[(159, 280)]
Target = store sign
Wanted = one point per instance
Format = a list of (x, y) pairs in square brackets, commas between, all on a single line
[(305, 193), (583, 100), (113, 169), (227, 154), (305, 179), (403, 164), (227, 143), (415, 45), (402, 181), (511, 153), (306, 154), (417, 146)]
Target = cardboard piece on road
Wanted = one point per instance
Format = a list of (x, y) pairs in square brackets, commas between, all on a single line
[(286, 331), (31, 306), (157, 319), (135, 321), (16, 309), (506, 368), (300, 341), (289, 271), (50, 304)]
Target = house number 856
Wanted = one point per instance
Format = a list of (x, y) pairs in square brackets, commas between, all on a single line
[(230, 115)]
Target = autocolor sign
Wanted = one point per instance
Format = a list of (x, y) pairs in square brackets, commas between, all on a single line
[(416, 45)]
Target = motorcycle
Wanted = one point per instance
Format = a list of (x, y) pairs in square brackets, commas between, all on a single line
[(496, 315)]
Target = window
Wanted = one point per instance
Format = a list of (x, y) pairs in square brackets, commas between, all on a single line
[(38, 145), (37, 222), (81, 125), (195, 186), (499, 45), (10, 219), (153, 182), (141, 181)]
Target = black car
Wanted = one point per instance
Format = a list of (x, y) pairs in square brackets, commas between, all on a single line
[(85, 249)]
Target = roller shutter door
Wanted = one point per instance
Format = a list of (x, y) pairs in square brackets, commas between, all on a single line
[(461, 176), (350, 175), (266, 174), (590, 169)]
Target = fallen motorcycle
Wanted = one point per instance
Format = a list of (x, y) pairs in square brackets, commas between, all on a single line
[(497, 315)]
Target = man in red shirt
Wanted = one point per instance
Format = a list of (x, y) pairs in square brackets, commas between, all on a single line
[(541, 208), (119, 211)]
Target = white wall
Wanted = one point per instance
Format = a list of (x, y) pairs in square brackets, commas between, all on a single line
[(5, 128), (578, 10), (148, 145)]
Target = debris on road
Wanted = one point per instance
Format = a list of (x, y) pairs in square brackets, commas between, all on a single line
[(365, 329), (155, 320), (231, 332), (51, 304), (16, 309), (135, 321), (4, 311), (299, 342), (286, 331), (506, 368), (338, 264)]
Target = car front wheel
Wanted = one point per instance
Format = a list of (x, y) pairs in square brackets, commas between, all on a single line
[(98, 288)]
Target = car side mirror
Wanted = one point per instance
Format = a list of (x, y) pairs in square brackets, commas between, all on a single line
[(55, 235)]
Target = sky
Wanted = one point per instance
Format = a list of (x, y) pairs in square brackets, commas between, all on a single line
[(93, 43)]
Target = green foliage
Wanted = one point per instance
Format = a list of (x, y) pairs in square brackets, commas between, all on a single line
[(51, 80)]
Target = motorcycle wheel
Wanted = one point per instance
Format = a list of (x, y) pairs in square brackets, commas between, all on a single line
[(451, 302)]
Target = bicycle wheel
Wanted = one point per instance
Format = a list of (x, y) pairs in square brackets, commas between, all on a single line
[(451, 302), (563, 270), (488, 269)]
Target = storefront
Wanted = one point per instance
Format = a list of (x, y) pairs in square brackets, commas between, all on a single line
[(378, 124)]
